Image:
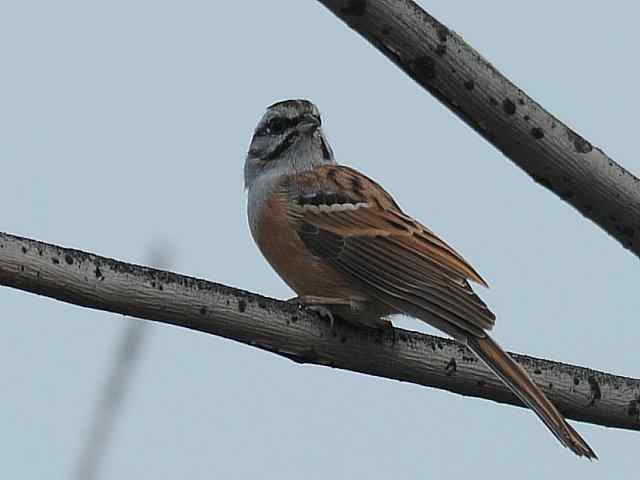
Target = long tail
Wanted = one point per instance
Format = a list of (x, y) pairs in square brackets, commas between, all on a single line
[(514, 376)]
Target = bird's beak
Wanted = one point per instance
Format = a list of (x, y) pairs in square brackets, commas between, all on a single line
[(309, 124)]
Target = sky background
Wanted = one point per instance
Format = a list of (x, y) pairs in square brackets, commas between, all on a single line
[(124, 125)]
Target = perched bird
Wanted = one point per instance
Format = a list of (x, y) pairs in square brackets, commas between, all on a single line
[(341, 242)]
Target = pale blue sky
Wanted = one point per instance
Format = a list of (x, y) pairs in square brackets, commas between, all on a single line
[(125, 123)]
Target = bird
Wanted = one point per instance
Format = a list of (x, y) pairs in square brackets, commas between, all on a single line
[(344, 245)]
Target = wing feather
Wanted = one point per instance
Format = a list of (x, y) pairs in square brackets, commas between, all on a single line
[(366, 235)]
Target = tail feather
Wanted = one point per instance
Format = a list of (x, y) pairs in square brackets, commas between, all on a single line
[(515, 377)]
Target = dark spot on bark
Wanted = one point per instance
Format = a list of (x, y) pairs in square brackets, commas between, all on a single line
[(481, 383), (550, 386), (596, 394), (537, 133), (343, 339), (576, 381), (203, 310), (294, 318), (55, 261), (508, 106), (262, 303), (439, 345), (469, 85), (537, 371), (443, 33), (160, 287), (22, 268), (40, 252), (69, 259), (331, 174), (579, 144), (527, 118), (493, 101), (441, 50), (24, 249), (521, 101), (356, 8), (242, 305), (451, 367), (97, 272), (425, 67)]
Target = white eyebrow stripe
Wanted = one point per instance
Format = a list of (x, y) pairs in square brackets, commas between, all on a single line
[(336, 207)]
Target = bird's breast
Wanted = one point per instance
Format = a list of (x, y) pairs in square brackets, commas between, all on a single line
[(281, 246)]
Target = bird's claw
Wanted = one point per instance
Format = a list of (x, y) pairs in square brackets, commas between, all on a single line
[(323, 312)]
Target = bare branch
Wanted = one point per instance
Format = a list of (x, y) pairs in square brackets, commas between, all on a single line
[(549, 151), (282, 328)]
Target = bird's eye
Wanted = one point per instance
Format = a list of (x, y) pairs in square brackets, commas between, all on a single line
[(277, 125)]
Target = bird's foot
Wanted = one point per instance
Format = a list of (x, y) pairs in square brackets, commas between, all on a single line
[(323, 312), (321, 305)]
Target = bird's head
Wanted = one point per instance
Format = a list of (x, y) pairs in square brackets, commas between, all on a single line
[(288, 139)]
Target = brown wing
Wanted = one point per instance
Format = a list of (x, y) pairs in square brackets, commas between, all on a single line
[(351, 222)]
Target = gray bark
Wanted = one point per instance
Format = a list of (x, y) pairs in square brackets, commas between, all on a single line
[(549, 151), (285, 329)]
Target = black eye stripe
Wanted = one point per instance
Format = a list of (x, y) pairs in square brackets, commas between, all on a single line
[(270, 127), (280, 125), (276, 126)]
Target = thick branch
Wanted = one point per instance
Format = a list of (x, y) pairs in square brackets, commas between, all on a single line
[(548, 150), (105, 284)]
